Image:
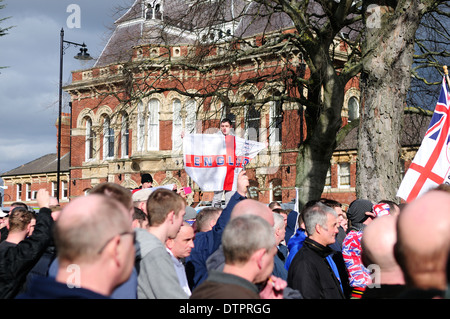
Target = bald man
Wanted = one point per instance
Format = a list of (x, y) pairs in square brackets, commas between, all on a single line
[(253, 207), (246, 207), (94, 240), (423, 243), (377, 244)]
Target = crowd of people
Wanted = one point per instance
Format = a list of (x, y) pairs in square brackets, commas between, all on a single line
[(149, 244)]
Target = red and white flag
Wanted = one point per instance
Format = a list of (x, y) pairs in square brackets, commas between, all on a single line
[(214, 161), (431, 165)]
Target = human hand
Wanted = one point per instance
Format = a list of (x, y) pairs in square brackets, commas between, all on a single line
[(273, 288), (242, 183), (43, 198)]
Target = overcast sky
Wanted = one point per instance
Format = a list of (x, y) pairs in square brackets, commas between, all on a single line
[(30, 50)]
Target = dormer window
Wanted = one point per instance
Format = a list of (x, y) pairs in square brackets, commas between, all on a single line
[(153, 10)]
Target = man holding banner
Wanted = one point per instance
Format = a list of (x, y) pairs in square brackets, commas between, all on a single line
[(214, 161), (431, 165)]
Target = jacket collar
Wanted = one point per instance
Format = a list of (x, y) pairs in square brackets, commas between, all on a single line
[(320, 249)]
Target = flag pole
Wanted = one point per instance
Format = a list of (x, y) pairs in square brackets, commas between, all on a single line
[(446, 75)]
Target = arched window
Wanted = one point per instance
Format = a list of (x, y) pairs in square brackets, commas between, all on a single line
[(108, 139), (89, 143), (158, 13), (353, 109), (153, 124)]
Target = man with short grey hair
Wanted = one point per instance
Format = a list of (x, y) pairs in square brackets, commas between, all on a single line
[(249, 247), (312, 272)]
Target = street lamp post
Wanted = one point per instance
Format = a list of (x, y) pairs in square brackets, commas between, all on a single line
[(83, 55)]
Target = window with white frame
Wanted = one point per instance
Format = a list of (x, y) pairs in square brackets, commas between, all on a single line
[(344, 175), (153, 124), (108, 139), (19, 192), (276, 190), (89, 145), (328, 179), (54, 190), (64, 190), (28, 192), (125, 137), (140, 128), (177, 126)]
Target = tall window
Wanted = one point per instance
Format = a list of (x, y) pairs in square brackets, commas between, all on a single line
[(54, 189), (153, 124), (353, 109), (108, 139), (64, 190), (19, 192), (328, 179), (124, 137), (253, 123), (344, 175), (140, 128), (177, 126), (89, 146), (29, 195), (276, 121), (191, 116)]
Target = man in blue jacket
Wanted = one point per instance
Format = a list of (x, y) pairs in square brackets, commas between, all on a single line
[(205, 243)]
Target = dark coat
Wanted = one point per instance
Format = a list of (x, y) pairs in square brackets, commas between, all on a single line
[(220, 285), (206, 243), (17, 261), (311, 274), (48, 288)]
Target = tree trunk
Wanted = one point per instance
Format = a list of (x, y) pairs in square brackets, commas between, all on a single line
[(314, 155), (388, 54)]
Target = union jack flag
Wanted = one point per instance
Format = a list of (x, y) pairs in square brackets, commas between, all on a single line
[(431, 165)]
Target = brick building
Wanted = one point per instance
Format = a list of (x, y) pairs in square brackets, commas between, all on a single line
[(114, 138), (23, 182)]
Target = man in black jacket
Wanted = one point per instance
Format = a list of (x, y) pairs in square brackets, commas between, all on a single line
[(317, 271), (16, 261)]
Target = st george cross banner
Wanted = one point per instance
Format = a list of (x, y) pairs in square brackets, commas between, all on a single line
[(214, 161), (431, 165)]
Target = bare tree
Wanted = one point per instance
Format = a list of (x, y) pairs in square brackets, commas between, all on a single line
[(303, 52), (388, 51), (3, 31)]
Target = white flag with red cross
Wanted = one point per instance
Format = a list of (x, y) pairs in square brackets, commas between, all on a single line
[(431, 164), (214, 161)]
